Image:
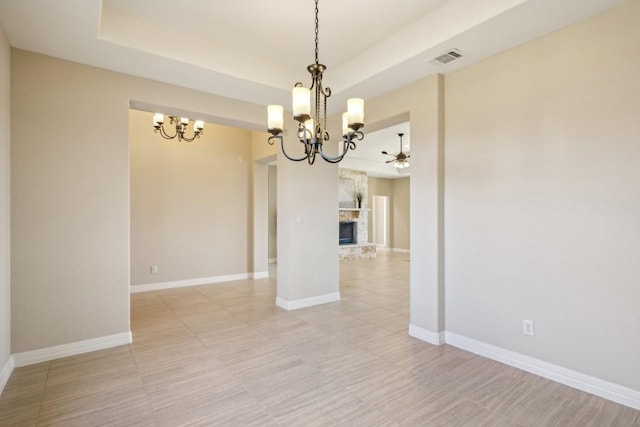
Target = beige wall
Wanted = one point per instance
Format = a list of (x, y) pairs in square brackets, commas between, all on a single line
[(401, 215), (190, 205), (70, 194), (542, 198), (5, 201)]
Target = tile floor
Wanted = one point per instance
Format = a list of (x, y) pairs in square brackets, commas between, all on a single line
[(224, 355)]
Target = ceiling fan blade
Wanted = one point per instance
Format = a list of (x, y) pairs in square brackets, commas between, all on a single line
[(390, 161), (384, 152)]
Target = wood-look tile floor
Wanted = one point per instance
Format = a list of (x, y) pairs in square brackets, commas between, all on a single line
[(223, 354)]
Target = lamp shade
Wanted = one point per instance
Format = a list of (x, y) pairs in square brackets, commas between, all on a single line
[(199, 124), (309, 126), (301, 102), (275, 119), (345, 124), (158, 119), (355, 111)]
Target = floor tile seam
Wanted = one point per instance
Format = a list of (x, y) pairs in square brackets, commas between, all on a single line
[(93, 409), (314, 404), (144, 386), (90, 385), (147, 398), (196, 335), (462, 396), (404, 419), (258, 402), (44, 389)]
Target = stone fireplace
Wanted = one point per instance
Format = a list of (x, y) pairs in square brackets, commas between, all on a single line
[(353, 218)]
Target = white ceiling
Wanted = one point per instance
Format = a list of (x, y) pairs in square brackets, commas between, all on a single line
[(255, 50)]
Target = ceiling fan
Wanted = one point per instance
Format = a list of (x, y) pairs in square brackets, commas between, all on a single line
[(401, 160)]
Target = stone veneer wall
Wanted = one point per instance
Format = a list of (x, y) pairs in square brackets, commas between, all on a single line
[(361, 217)]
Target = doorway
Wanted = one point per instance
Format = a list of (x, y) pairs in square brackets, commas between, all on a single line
[(381, 221)]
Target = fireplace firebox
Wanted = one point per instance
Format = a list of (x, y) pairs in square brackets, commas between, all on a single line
[(348, 233)]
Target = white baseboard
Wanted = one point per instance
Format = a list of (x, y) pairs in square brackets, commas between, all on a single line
[(273, 260), (401, 251), (5, 373), (195, 282), (608, 390), (307, 302), (426, 335), (71, 349)]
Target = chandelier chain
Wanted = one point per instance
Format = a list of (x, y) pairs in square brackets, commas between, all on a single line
[(317, 50), (324, 122)]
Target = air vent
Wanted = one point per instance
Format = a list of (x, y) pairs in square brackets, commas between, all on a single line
[(450, 56)]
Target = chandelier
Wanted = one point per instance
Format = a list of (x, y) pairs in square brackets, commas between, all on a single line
[(401, 160), (312, 128), (181, 124)]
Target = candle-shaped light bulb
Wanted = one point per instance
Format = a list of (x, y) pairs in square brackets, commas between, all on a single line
[(275, 119), (345, 124), (301, 102), (308, 125), (355, 110), (158, 119)]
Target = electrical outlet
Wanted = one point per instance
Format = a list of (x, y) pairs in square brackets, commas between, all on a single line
[(527, 327), (154, 269)]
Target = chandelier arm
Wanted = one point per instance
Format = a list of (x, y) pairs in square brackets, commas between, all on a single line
[(332, 159), (285, 153), (165, 135), (196, 134), (336, 159), (184, 138), (348, 145)]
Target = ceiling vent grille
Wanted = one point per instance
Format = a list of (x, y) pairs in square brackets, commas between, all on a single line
[(447, 57)]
